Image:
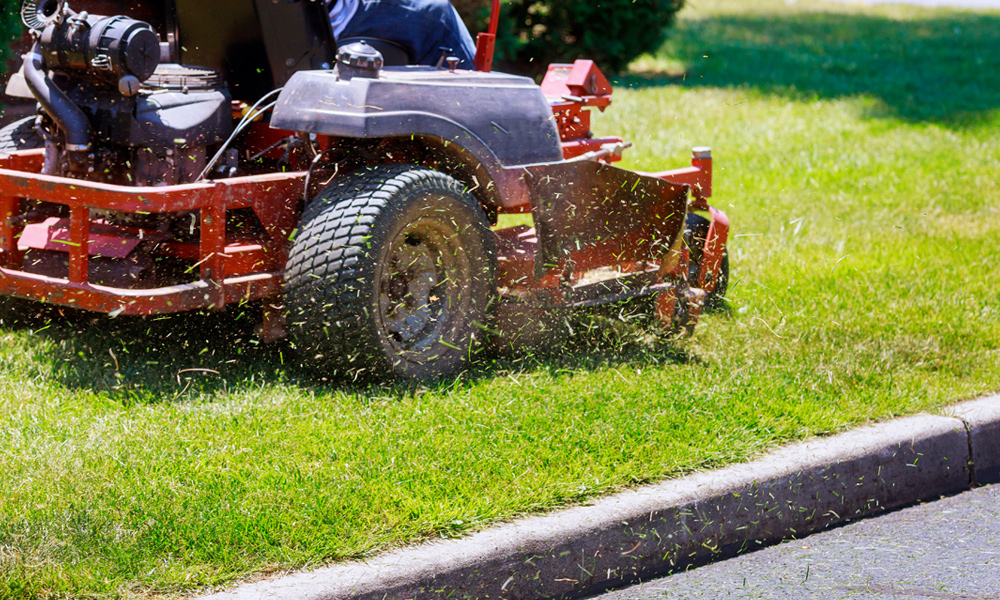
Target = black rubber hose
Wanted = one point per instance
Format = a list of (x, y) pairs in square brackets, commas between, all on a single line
[(54, 101)]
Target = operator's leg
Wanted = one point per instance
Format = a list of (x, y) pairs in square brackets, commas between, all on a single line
[(423, 27)]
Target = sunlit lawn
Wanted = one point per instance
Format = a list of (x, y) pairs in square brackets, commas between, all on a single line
[(857, 156)]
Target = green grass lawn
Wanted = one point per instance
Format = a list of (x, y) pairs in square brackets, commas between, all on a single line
[(858, 158)]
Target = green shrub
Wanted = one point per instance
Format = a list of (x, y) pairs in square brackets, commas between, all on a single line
[(10, 30), (610, 32), (534, 33), (475, 13)]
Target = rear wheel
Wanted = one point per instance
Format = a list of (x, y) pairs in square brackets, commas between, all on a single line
[(391, 274), (20, 135), (695, 234)]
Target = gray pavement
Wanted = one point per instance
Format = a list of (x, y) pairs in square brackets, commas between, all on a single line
[(991, 4), (948, 549)]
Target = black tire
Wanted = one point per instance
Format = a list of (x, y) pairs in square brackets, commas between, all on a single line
[(20, 135), (391, 274), (695, 234)]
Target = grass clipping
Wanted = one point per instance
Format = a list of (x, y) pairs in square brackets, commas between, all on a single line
[(856, 157)]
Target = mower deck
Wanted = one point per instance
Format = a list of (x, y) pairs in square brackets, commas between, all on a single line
[(617, 254)]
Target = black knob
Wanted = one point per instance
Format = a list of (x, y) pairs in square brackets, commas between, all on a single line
[(359, 60)]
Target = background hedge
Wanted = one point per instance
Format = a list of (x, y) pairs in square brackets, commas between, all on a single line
[(10, 28), (534, 33)]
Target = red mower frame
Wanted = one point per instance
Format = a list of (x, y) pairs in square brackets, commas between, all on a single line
[(227, 269)]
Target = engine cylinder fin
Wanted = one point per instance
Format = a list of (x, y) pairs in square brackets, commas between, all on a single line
[(183, 77), (39, 14)]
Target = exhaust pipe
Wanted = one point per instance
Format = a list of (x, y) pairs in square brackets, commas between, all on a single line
[(54, 101)]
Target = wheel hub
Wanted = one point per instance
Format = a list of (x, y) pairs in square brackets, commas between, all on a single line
[(408, 298)]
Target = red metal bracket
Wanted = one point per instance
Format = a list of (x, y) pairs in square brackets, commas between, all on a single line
[(698, 176), (79, 239), (486, 42), (715, 246), (229, 270), (571, 89), (580, 80)]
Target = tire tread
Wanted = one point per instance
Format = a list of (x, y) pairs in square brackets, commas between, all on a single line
[(329, 263)]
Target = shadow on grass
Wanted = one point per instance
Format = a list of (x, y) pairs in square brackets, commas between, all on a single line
[(936, 68), (142, 360), (150, 360)]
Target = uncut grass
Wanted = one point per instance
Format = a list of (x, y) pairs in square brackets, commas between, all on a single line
[(863, 267)]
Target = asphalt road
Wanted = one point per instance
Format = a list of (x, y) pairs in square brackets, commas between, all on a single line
[(956, 3), (949, 549)]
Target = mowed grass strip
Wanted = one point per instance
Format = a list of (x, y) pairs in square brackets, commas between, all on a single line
[(856, 155)]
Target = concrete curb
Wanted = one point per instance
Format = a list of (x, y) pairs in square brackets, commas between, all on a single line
[(638, 534), (982, 421)]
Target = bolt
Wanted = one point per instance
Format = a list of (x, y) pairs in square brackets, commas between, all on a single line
[(129, 85)]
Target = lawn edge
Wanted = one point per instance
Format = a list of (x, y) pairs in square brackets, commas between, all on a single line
[(655, 529)]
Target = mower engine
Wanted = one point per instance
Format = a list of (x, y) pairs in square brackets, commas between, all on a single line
[(111, 112)]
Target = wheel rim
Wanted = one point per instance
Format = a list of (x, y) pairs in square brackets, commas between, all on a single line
[(420, 292)]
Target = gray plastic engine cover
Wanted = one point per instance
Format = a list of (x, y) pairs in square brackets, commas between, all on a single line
[(502, 120)]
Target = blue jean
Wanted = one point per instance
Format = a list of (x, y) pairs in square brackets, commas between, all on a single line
[(423, 27)]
